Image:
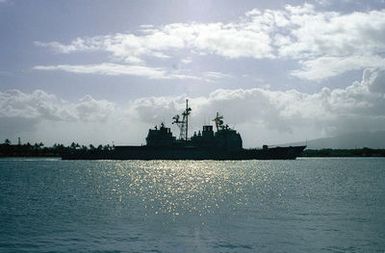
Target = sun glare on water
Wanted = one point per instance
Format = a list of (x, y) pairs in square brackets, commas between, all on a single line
[(181, 187)]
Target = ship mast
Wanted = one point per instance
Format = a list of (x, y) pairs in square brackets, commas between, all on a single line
[(187, 112), (218, 121), (183, 124)]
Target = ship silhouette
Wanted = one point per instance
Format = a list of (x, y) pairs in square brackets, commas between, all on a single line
[(223, 144)]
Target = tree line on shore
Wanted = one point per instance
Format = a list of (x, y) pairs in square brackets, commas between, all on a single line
[(7, 149)]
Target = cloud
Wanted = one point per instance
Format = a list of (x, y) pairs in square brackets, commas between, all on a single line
[(261, 115), (313, 34), (324, 43), (327, 44), (212, 76), (329, 66), (40, 105), (229, 40), (112, 69), (40, 116), (186, 60), (374, 79)]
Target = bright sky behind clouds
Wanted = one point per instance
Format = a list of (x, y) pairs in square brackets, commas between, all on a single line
[(103, 71)]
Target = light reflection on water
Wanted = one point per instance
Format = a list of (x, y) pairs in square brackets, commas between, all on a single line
[(175, 187), (194, 187)]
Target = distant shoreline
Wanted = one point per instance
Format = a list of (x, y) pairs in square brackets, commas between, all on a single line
[(362, 152)]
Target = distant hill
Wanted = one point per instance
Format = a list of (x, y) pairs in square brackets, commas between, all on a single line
[(348, 141)]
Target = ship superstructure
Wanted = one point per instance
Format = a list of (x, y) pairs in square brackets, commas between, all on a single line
[(224, 138)]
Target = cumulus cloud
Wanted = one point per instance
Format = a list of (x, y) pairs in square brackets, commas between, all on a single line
[(330, 43), (313, 34), (262, 115), (324, 43), (34, 115), (40, 105)]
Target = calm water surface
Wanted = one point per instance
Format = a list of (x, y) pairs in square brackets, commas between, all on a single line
[(307, 205)]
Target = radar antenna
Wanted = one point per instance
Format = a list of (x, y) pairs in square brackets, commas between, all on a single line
[(218, 121), (183, 124)]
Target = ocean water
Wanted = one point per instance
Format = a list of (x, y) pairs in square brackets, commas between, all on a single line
[(306, 205)]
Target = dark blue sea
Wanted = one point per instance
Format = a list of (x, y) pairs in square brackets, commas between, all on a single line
[(306, 205)]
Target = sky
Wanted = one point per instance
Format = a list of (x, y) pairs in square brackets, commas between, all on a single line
[(105, 72)]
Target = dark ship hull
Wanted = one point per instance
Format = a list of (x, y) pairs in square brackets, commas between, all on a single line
[(184, 153)]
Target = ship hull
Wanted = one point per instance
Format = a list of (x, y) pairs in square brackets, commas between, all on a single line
[(184, 153)]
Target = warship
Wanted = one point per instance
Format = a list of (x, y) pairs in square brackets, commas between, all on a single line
[(223, 144)]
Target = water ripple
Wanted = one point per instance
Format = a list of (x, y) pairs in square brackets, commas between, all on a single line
[(192, 206)]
